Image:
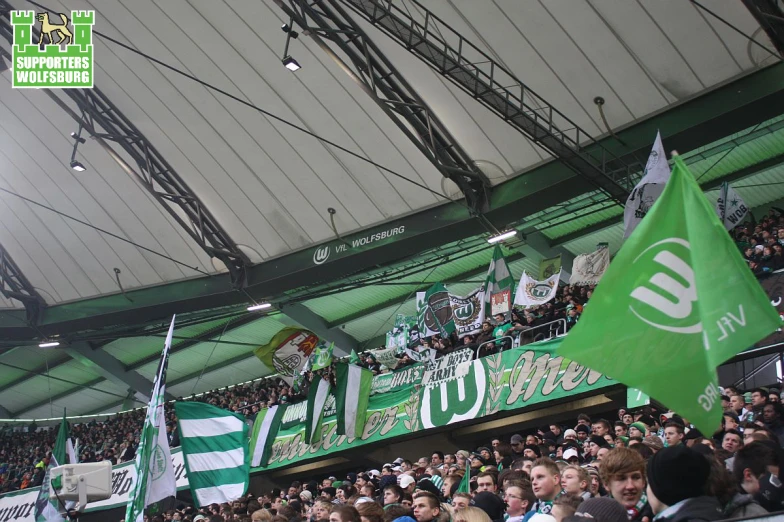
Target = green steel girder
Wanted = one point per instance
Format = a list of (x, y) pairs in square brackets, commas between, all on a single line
[(725, 110)]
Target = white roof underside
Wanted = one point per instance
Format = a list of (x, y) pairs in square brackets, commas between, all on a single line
[(270, 185)]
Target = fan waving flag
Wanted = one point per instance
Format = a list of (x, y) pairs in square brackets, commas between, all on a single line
[(499, 286), (351, 398), (317, 399), (265, 429), (677, 301), (214, 445), (154, 471)]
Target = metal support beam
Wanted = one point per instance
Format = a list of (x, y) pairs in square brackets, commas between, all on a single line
[(732, 177), (380, 80), (478, 74), (105, 122), (770, 16), (5, 414), (305, 317), (14, 285), (111, 369)]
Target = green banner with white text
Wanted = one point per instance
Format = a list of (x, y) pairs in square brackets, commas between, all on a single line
[(507, 381)]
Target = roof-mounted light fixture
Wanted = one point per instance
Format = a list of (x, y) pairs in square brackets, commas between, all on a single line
[(49, 344), (78, 166), (259, 306), (500, 237), (288, 62)]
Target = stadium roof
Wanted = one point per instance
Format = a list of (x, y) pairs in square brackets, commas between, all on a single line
[(265, 187)]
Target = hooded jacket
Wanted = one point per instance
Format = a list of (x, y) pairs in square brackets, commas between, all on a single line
[(742, 506)]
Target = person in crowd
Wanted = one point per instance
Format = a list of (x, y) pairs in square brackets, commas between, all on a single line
[(427, 507), (575, 481), (677, 478), (673, 433), (623, 473), (546, 485), (344, 513), (565, 506), (519, 497)]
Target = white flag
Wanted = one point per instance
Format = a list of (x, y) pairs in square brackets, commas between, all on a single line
[(154, 471), (531, 292), (588, 269), (730, 207), (648, 190)]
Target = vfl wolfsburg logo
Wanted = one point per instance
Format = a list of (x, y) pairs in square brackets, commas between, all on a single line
[(539, 291), (666, 300), (467, 312), (158, 462)]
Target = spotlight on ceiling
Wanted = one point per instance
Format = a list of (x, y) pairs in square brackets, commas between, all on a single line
[(286, 28), (77, 137), (291, 64), (260, 306), (502, 236), (49, 344), (77, 166)]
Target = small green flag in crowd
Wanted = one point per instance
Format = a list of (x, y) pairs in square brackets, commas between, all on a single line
[(353, 358), (499, 286), (677, 301), (214, 446), (317, 399), (265, 429), (46, 507), (322, 357), (465, 482), (351, 398)]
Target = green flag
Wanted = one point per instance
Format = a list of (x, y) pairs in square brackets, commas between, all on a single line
[(677, 301), (265, 429), (46, 507), (550, 266), (322, 356), (317, 399), (434, 312), (352, 393), (499, 286), (214, 446), (465, 482), (353, 358)]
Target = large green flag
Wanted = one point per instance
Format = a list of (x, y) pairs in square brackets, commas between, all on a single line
[(499, 286), (677, 301)]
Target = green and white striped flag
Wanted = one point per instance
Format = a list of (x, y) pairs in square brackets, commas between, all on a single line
[(351, 398), (154, 471), (499, 286), (214, 445), (317, 398), (46, 508), (265, 429)]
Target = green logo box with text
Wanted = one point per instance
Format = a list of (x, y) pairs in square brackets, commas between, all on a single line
[(62, 56)]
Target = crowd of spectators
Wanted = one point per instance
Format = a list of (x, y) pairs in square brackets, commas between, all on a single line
[(762, 243), (641, 465)]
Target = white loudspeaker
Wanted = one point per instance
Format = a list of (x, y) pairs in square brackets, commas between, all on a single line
[(86, 482)]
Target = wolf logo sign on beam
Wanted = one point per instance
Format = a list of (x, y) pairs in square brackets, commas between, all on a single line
[(46, 63)]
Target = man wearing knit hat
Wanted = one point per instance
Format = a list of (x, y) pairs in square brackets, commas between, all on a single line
[(601, 509), (570, 435), (676, 484), (637, 429)]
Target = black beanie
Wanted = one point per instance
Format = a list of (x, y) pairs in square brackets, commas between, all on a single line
[(677, 473), (490, 503), (599, 441)]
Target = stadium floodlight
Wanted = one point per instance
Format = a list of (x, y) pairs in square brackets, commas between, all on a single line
[(78, 166), (259, 306), (49, 344), (291, 64), (502, 236)]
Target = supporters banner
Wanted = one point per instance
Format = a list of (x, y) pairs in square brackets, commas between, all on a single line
[(680, 286), (468, 312), (550, 266), (588, 269), (730, 207), (287, 352), (531, 292), (434, 313), (386, 357)]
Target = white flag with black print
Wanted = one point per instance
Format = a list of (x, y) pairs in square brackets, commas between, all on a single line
[(648, 190), (730, 207)]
